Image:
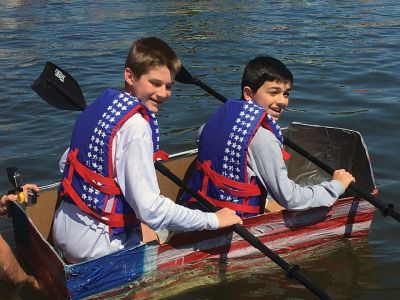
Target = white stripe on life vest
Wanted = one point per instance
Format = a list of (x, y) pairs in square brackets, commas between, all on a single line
[(110, 204)]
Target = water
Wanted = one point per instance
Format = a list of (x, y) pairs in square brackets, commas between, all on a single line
[(344, 57)]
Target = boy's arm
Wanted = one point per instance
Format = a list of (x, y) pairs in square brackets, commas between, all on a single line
[(265, 160), (137, 178), (63, 160), (4, 199), (10, 270)]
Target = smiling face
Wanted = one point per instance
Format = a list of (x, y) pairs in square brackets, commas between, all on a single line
[(273, 96), (152, 88)]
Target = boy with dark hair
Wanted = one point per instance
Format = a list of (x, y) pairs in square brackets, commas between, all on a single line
[(109, 184), (241, 155)]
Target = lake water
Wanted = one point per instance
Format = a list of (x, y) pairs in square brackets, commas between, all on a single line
[(345, 59)]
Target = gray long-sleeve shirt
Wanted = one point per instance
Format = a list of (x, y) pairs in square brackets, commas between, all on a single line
[(265, 161)]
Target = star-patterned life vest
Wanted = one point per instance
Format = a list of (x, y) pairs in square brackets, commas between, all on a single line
[(221, 169), (88, 175)]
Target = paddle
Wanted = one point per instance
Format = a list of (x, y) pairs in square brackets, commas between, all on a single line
[(55, 81), (53, 94), (387, 209)]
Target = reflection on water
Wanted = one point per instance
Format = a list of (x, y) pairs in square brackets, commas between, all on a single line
[(346, 264), (344, 57)]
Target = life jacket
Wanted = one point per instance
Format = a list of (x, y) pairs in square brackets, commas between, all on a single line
[(88, 175), (221, 168)]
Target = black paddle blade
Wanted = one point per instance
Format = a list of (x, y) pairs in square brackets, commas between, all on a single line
[(184, 76), (59, 89)]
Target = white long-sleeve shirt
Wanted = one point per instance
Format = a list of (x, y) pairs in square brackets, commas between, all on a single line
[(81, 237)]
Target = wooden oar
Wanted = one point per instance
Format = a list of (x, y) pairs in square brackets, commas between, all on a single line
[(387, 209), (78, 103)]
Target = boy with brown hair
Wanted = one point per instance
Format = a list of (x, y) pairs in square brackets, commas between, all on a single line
[(109, 184)]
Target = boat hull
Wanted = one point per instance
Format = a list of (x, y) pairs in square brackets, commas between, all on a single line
[(282, 231)]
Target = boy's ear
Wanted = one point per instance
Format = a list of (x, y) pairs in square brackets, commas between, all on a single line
[(129, 76), (247, 93)]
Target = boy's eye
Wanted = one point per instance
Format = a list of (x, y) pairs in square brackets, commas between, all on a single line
[(274, 92), (155, 83)]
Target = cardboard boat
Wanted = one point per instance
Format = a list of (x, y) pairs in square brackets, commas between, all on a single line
[(281, 230)]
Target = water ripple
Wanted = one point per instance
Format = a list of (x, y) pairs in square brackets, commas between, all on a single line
[(344, 57)]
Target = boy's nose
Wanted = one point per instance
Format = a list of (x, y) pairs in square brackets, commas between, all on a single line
[(163, 92), (281, 99)]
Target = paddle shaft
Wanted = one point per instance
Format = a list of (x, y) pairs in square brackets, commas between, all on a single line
[(387, 209), (292, 271), (209, 90)]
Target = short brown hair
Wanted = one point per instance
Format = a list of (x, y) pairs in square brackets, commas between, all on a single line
[(149, 52)]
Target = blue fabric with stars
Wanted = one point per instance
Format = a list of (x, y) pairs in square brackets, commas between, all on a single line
[(224, 141), (93, 134)]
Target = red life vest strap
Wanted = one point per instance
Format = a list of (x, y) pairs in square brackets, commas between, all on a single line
[(233, 187), (160, 155), (104, 184), (109, 187), (111, 219), (286, 155)]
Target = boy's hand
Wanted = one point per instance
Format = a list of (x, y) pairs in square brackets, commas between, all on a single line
[(344, 177), (227, 217), (30, 280), (29, 186), (4, 203), (11, 197)]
